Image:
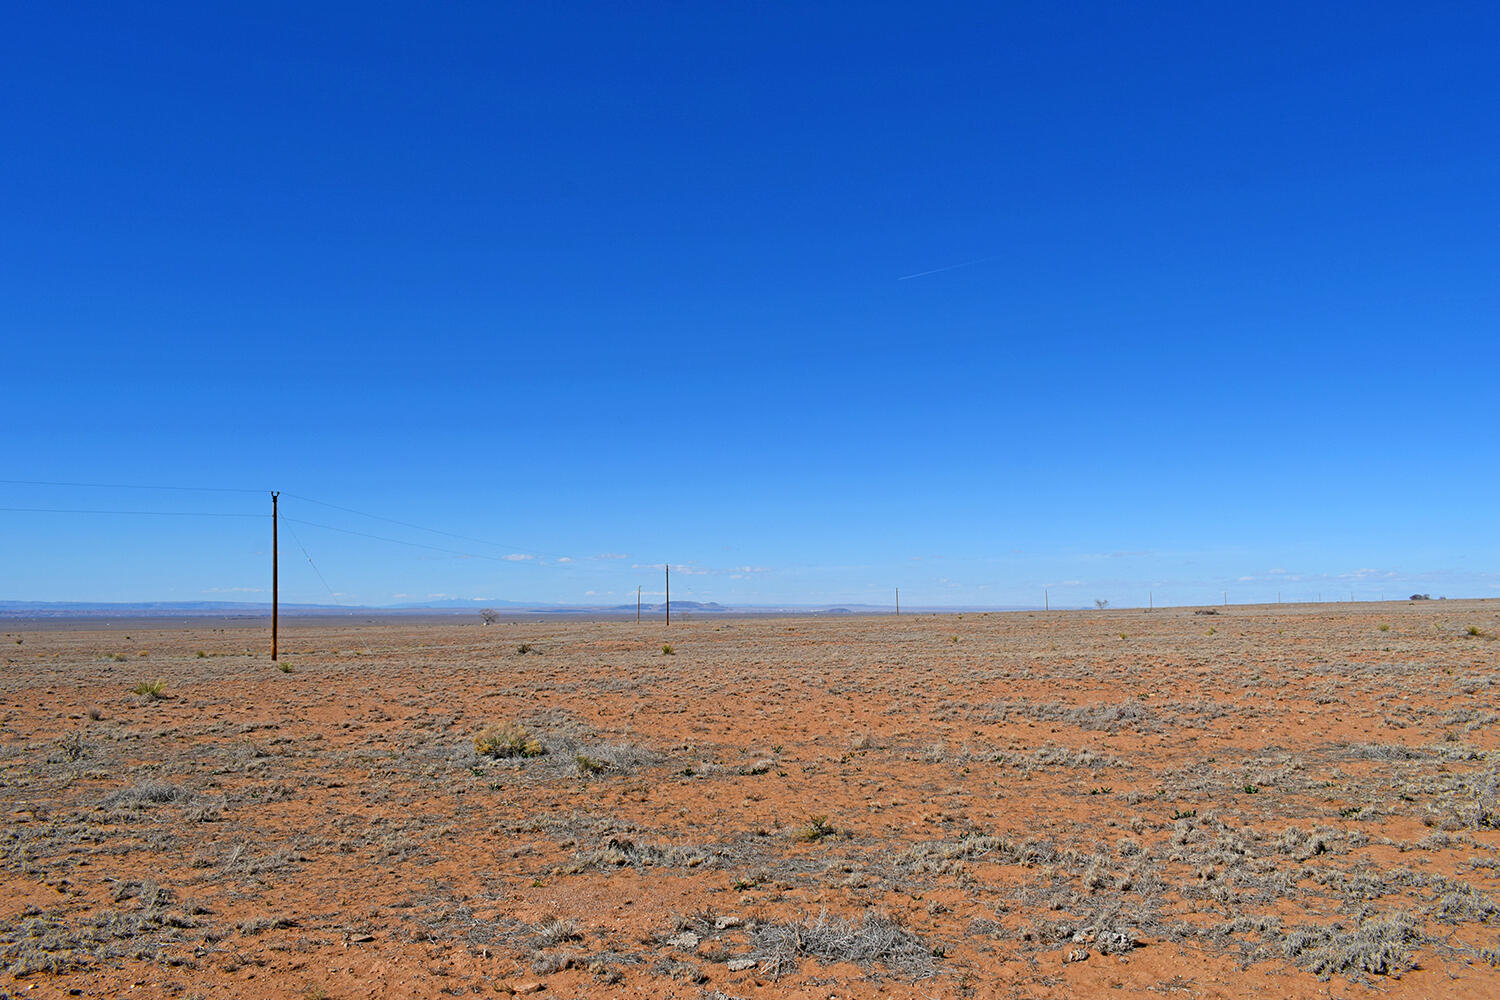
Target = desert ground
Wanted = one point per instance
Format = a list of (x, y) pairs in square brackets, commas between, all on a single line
[(1290, 801)]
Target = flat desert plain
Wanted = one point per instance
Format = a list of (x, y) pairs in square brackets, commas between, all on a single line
[(1290, 801)]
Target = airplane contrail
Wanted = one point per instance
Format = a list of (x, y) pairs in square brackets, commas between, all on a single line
[(950, 267)]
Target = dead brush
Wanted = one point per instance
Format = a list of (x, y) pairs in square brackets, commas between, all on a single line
[(556, 931), (589, 766), (509, 739), (873, 939), (815, 829), (1379, 945)]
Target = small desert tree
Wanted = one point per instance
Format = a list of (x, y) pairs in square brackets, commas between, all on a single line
[(1100, 603), (489, 616)]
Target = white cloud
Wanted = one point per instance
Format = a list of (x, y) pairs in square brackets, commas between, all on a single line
[(684, 569), (235, 590), (517, 557), (564, 559), (612, 555)]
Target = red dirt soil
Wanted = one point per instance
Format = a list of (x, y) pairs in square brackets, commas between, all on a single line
[(1270, 801)]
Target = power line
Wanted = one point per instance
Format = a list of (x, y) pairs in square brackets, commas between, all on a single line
[(307, 499), (331, 594), (127, 486), (398, 541), (153, 513), (407, 524), (223, 489)]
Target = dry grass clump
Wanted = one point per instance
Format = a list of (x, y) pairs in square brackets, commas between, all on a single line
[(147, 793), (151, 690), (1378, 945), (815, 829), (589, 765), (509, 739), (874, 939), (623, 852)]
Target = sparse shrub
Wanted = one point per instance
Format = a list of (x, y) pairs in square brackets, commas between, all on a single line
[(1378, 946), (815, 829), (589, 765), (557, 931), (74, 746), (202, 654), (119, 658), (508, 739), (675, 969), (1385, 628), (147, 793), (1100, 603), (284, 667), (1473, 630), (488, 616), (151, 690), (525, 648), (873, 939), (667, 650)]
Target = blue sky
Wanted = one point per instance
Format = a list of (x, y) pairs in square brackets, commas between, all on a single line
[(611, 285)]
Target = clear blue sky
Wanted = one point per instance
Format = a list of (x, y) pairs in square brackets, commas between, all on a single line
[(666, 282)]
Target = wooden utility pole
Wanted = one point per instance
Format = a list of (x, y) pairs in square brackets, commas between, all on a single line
[(1046, 601), (898, 602), (275, 583), (669, 593), (637, 604), (1150, 601), (1226, 598)]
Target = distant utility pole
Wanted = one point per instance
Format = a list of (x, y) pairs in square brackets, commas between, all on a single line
[(669, 593), (1226, 598), (1150, 601), (275, 584), (1046, 601), (898, 602), (637, 604)]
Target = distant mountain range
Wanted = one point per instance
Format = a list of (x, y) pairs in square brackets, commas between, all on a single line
[(453, 606), (676, 606), (153, 609)]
